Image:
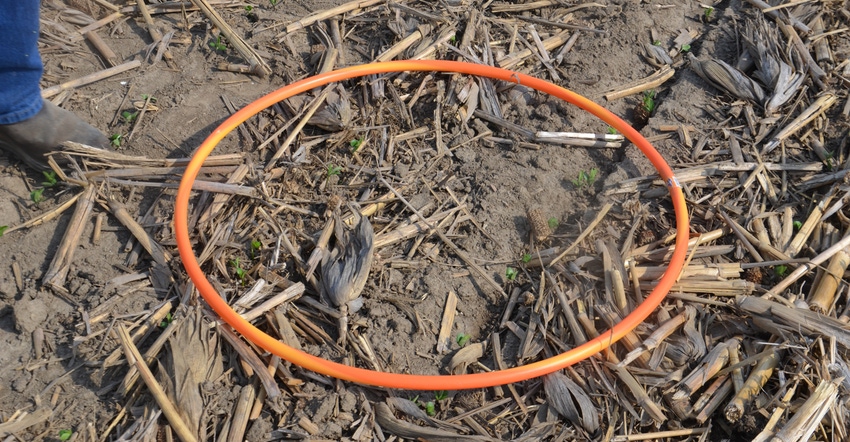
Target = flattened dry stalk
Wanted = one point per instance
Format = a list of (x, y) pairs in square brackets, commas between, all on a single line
[(752, 386), (710, 365), (258, 66), (821, 105), (444, 338), (411, 229), (89, 79), (734, 287), (241, 412), (806, 420), (549, 44), (659, 335), (653, 81), (823, 292), (55, 275), (249, 357), (168, 409), (778, 413), (712, 398), (641, 397), (421, 32), (326, 14)]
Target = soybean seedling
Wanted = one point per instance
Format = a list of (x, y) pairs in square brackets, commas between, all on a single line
[(37, 196), (706, 13), (612, 131), (649, 100), (780, 271), (686, 47), (166, 321), (218, 44), (274, 2), (462, 339), (333, 170), (129, 116), (50, 179), (511, 273), (355, 144), (430, 408), (526, 258), (115, 140), (553, 222), (65, 434), (237, 268), (798, 225), (584, 179), (256, 245), (3, 230)]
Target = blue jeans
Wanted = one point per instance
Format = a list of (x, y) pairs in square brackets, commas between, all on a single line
[(20, 63)]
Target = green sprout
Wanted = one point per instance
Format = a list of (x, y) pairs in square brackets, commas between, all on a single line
[(50, 178), (274, 2), (237, 268), (656, 43), (146, 96), (798, 225), (3, 230), (249, 8), (649, 101), (129, 116), (37, 196), (430, 408), (355, 144), (511, 273), (166, 321), (256, 245), (218, 44), (553, 222), (462, 339), (526, 258), (333, 170), (612, 131), (441, 395), (686, 47), (707, 13), (115, 140), (65, 434), (453, 39), (584, 179), (780, 270)]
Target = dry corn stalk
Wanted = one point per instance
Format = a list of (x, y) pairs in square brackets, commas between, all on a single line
[(726, 78), (736, 409)]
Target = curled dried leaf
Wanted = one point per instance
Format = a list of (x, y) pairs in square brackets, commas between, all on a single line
[(346, 269), (726, 78), (465, 356), (571, 401)]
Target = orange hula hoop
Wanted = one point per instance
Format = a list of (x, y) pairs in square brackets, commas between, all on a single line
[(413, 381)]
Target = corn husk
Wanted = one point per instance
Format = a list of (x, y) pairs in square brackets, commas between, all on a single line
[(726, 78), (346, 268)]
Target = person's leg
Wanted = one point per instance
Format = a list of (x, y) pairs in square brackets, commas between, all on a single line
[(31, 127), (20, 65)]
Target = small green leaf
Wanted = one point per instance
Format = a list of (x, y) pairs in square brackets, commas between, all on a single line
[(612, 131), (462, 339), (526, 258), (798, 225), (115, 140), (129, 116), (441, 395), (686, 47), (65, 434), (50, 178), (355, 144), (781, 270), (37, 195), (3, 230), (430, 408), (553, 223), (333, 170), (511, 273)]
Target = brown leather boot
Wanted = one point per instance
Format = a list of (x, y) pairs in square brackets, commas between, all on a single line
[(30, 140)]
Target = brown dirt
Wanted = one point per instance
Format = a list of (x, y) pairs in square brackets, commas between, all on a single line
[(499, 182)]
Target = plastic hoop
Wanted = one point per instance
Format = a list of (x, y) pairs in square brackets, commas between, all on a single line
[(412, 381)]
